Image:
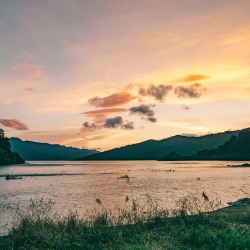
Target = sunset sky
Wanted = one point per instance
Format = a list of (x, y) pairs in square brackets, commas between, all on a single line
[(107, 73)]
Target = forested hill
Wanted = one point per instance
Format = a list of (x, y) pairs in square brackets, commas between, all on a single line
[(30, 150), (6, 156), (236, 148), (153, 150)]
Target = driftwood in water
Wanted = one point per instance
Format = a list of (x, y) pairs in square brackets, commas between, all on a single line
[(13, 177)]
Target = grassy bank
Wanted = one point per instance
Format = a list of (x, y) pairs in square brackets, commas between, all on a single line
[(133, 227), (196, 222)]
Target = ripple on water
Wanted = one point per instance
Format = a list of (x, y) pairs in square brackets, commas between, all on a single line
[(76, 185)]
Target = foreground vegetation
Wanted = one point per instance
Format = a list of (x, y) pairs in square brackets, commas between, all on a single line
[(192, 225)]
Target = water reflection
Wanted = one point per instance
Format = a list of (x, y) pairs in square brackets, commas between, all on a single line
[(77, 185)]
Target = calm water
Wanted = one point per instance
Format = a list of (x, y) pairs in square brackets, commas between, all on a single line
[(76, 185)]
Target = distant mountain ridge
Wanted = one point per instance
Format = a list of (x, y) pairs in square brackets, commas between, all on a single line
[(29, 150), (154, 150), (236, 148)]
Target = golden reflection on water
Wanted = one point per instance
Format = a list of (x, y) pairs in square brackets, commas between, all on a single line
[(77, 185)]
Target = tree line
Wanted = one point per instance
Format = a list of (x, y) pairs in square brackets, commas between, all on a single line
[(237, 148), (6, 155)]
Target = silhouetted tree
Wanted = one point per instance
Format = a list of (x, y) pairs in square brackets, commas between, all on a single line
[(1, 133), (6, 156)]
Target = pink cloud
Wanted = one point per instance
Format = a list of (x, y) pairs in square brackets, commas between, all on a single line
[(13, 123), (35, 73), (104, 112), (30, 70), (30, 89)]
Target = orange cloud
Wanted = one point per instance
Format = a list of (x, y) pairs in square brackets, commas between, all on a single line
[(104, 112), (100, 120), (13, 123), (113, 100), (193, 78)]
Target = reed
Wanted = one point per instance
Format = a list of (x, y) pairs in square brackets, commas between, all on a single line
[(195, 223)]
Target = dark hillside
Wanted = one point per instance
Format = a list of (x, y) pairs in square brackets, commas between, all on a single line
[(44, 151), (236, 148), (153, 150)]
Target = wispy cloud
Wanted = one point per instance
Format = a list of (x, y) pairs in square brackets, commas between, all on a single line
[(113, 122), (145, 111), (185, 107), (30, 70), (98, 137), (30, 89), (94, 113), (25, 65), (13, 123), (158, 92), (128, 126), (113, 100), (118, 122), (132, 86), (100, 118), (88, 127), (192, 91), (35, 73), (194, 78)]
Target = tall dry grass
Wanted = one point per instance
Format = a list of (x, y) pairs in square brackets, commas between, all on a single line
[(139, 224)]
